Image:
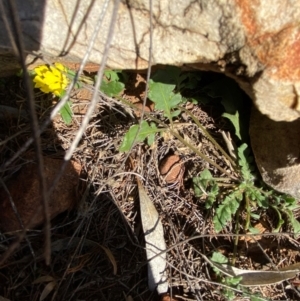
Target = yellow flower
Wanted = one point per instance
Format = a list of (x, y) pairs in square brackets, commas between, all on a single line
[(51, 79)]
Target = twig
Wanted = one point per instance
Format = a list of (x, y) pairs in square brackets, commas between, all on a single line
[(34, 127)]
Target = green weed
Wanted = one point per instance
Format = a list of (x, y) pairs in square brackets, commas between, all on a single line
[(165, 90), (245, 193), (231, 284)]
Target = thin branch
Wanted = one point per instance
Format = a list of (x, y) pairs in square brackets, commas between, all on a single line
[(34, 126)]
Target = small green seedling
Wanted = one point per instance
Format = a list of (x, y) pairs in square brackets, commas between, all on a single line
[(229, 282), (113, 83), (134, 135), (162, 91)]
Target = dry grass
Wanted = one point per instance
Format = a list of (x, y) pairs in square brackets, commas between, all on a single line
[(97, 249)]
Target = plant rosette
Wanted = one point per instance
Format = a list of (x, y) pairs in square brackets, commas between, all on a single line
[(54, 79)]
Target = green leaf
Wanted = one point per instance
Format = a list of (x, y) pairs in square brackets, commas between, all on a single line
[(255, 216), (218, 258), (235, 120), (255, 195), (151, 136), (294, 223), (206, 182), (131, 136), (244, 160), (227, 209), (233, 102), (233, 281), (66, 113), (112, 75), (253, 230), (112, 88), (163, 96), (280, 220)]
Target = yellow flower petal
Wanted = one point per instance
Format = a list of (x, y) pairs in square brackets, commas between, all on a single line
[(51, 79), (61, 67)]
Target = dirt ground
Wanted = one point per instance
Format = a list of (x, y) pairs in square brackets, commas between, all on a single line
[(97, 244)]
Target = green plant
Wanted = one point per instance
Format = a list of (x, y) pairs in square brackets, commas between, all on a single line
[(55, 79), (164, 91), (229, 282), (113, 82), (232, 278), (245, 193), (146, 131)]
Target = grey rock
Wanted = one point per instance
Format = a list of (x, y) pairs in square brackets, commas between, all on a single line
[(276, 147), (255, 42)]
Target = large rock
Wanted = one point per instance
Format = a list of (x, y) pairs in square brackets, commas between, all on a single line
[(255, 42), (277, 152)]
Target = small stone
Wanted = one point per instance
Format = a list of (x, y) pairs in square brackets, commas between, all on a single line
[(25, 192), (138, 107), (172, 169)]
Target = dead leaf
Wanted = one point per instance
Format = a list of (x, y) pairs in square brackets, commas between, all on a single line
[(42, 279), (155, 243), (256, 277), (111, 258), (47, 290)]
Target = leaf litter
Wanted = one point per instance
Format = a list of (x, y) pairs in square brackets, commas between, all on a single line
[(114, 266)]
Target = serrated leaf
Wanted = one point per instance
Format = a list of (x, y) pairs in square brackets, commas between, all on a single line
[(112, 88), (226, 210), (66, 113), (218, 257), (112, 75), (243, 155), (255, 195), (200, 183), (206, 183), (163, 96), (131, 136)]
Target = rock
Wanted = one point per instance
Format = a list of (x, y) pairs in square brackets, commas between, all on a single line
[(276, 147), (171, 169), (24, 190), (255, 42), (246, 40)]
